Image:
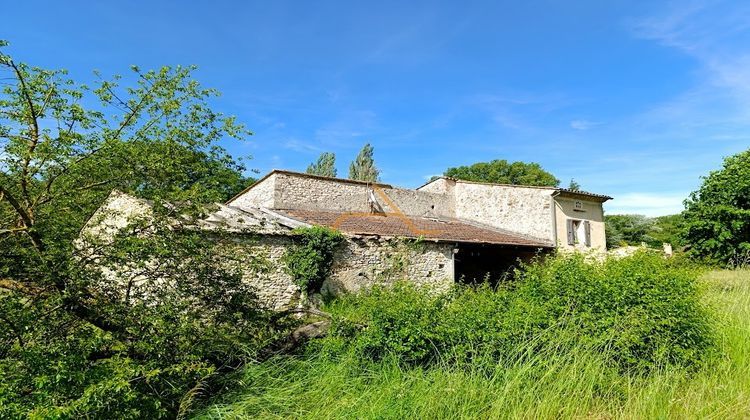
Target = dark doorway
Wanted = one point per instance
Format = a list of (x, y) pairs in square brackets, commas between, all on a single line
[(479, 263)]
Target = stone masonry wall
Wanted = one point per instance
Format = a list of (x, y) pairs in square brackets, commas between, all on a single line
[(439, 186), (259, 260), (359, 264), (262, 194), (301, 192), (363, 263), (527, 211)]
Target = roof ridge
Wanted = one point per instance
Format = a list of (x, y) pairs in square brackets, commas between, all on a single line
[(498, 184)]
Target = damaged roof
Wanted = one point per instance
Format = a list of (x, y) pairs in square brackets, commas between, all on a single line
[(399, 225), (250, 219)]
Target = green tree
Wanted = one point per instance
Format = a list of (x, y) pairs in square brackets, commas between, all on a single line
[(627, 229), (574, 186), (363, 167), (717, 216), (502, 172), (324, 166), (668, 229), (74, 341)]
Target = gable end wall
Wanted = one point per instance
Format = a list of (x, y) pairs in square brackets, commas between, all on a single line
[(307, 193), (262, 194), (527, 211), (591, 211)]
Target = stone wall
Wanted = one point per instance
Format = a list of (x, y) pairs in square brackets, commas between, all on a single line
[(302, 192), (261, 194), (523, 210), (118, 211), (259, 259), (359, 264), (363, 263), (443, 186)]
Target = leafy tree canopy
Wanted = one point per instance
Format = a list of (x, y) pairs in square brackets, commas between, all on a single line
[(74, 340), (503, 172), (668, 229), (363, 167), (627, 229), (717, 216), (324, 166)]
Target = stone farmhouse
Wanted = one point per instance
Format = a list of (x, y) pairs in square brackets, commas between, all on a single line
[(466, 230), (443, 232)]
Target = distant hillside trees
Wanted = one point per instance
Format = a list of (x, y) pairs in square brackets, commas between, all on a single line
[(668, 229), (363, 167), (627, 229), (635, 229), (717, 216), (324, 166), (502, 172)]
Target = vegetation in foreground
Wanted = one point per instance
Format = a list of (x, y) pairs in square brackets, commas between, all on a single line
[(629, 338), (566, 377)]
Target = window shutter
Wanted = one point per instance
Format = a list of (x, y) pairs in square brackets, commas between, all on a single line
[(587, 229), (571, 234)]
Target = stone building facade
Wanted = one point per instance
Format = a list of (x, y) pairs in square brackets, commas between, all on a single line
[(444, 232)]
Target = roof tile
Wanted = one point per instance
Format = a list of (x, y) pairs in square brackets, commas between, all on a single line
[(392, 224)]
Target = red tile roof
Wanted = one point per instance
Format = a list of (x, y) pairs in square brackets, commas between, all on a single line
[(399, 225)]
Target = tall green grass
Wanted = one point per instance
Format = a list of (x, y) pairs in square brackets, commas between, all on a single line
[(569, 380)]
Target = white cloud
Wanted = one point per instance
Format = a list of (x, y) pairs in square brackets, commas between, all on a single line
[(348, 126), (301, 146), (648, 204), (715, 33), (583, 124)]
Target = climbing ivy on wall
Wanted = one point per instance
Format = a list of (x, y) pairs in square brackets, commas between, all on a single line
[(310, 258), (397, 260)]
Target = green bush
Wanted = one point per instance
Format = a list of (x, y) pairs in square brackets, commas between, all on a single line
[(642, 312), (717, 216), (309, 260)]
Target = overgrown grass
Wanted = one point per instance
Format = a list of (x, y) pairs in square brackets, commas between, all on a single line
[(573, 379)]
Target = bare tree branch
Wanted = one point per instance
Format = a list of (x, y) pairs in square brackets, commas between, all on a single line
[(26, 219), (34, 124)]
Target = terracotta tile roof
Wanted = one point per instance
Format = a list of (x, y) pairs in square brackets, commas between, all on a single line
[(398, 225)]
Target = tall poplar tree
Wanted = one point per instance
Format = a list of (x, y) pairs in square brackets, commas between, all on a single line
[(363, 167), (324, 166)]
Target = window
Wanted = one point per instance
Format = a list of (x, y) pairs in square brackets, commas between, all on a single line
[(579, 231)]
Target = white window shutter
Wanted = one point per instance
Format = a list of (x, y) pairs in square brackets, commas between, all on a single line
[(571, 234), (587, 229)]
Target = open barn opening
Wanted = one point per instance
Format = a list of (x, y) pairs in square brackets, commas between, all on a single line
[(490, 263)]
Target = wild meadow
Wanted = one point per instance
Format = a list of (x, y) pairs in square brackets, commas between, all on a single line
[(681, 349), (156, 320)]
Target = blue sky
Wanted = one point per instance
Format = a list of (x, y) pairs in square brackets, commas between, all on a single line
[(635, 100)]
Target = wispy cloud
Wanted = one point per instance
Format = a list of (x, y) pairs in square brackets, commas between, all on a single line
[(583, 125), (715, 33), (301, 146), (349, 125), (518, 111)]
